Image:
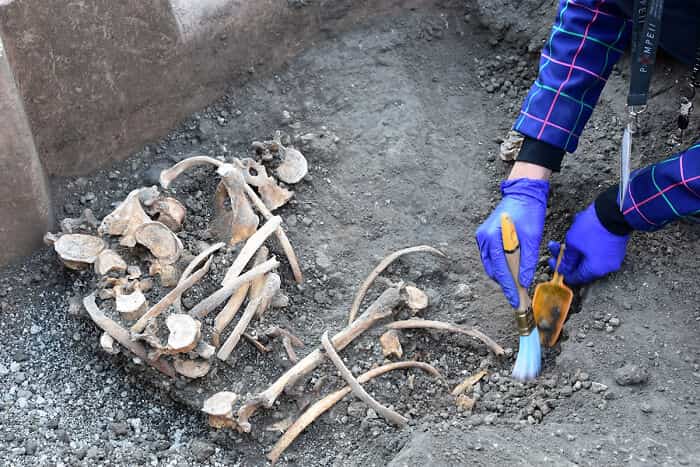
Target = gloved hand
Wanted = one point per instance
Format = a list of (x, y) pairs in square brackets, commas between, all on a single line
[(525, 200), (591, 250)]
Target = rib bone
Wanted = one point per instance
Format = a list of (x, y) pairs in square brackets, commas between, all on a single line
[(381, 308), (441, 326), (385, 263), (289, 341), (251, 246), (226, 315)]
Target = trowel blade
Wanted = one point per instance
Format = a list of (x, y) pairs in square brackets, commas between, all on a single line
[(625, 154)]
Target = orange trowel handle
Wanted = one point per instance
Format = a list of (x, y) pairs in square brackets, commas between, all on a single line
[(511, 246), (557, 278)]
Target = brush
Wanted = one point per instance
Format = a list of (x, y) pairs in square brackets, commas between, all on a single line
[(529, 361)]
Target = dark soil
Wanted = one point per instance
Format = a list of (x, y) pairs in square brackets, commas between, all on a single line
[(400, 121)]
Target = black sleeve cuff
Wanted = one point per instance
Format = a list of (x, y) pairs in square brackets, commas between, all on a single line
[(609, 214), (540, 153)]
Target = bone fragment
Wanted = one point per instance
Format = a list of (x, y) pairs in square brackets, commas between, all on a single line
[(78, 251), (204, 307), (168, 211), (251, 246), (125, 219), (441, 326), (289, 341), (385, 263), (204, 350), (130, 304), (192, 369), (326, 403), (109, 261), (391, 346), (273, 195), (357, 389), (204, 255), (256, 343), (266, 296), (219, 407), (465, 403), (133, 272), (510, 147), (168, 274), (71, 225), (257, 285), (294, 166), (382, 308), (417, 299), (160, 241), (229, 311), (240, 222), (185, 332), (168, 300), (272, 285), (467, 384), (108, 345), (122, 336)]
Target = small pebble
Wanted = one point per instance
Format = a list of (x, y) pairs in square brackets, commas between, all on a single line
[(646, 407)]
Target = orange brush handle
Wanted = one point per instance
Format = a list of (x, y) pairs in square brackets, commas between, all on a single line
[(511, 247)]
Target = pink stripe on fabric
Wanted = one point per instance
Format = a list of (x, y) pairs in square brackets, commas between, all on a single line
[(683, 180), (554, 125), (568, 76), (659, 193), (586, 7), (635, 206), (575, 67)]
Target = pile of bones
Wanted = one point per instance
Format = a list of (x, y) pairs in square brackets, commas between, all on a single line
[(186, 343)]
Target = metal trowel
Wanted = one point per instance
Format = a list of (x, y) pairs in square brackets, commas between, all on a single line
[(550, 305)]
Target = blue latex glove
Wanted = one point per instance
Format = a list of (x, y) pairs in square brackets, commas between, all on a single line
[(525, 200), (591, 250)]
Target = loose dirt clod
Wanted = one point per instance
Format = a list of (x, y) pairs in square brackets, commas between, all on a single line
[(390, 415), (326, 403), (385, 263)]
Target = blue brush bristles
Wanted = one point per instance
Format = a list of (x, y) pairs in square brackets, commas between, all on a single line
[(529, 362)]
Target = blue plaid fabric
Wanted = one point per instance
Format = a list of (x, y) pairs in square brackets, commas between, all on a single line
[(587, 39)]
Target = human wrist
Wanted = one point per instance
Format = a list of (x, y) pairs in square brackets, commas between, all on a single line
[(529, 170), (541, 153)]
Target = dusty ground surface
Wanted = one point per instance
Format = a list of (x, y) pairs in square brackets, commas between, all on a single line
[(418, 105)]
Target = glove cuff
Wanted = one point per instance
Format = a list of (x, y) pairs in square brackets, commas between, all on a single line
[(609, 215), (538, 190), (540, 153)]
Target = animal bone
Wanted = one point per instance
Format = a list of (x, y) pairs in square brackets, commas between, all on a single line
[(160, 241), (150, 337), (272, 285), (417, 299), (192, 369), (294, 166), (167, 176), (326, 403), (359, 392), (204, 307), (130, 305), (108, 345), (196, 261), (289, 341), (70, 225), (257, 284), (273, 195), (439, 325), (125, 219), (226, 315), (205, 350), (109, 261), (382, 308), (168, 211), (168, 300), (78, 251), (148, 196), (122, 336), (266, 296), (185, 332), (385, 263), (464, 402), (219, 407), (168, 273), (250, 247), (256, 343), (391, 346), (467, 384)]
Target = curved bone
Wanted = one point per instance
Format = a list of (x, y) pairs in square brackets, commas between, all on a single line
[(441, 326), (227, 314), (241, 221), (272, 285), (78, 251), (168, 300), (170, 212), (251, 247), (125, 219), (381, 308), (168, 175), (289, 341), (122, 336), (323, 405), (204, 307), (385, 263), (160, 241), (357, 389), (205, 254)]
